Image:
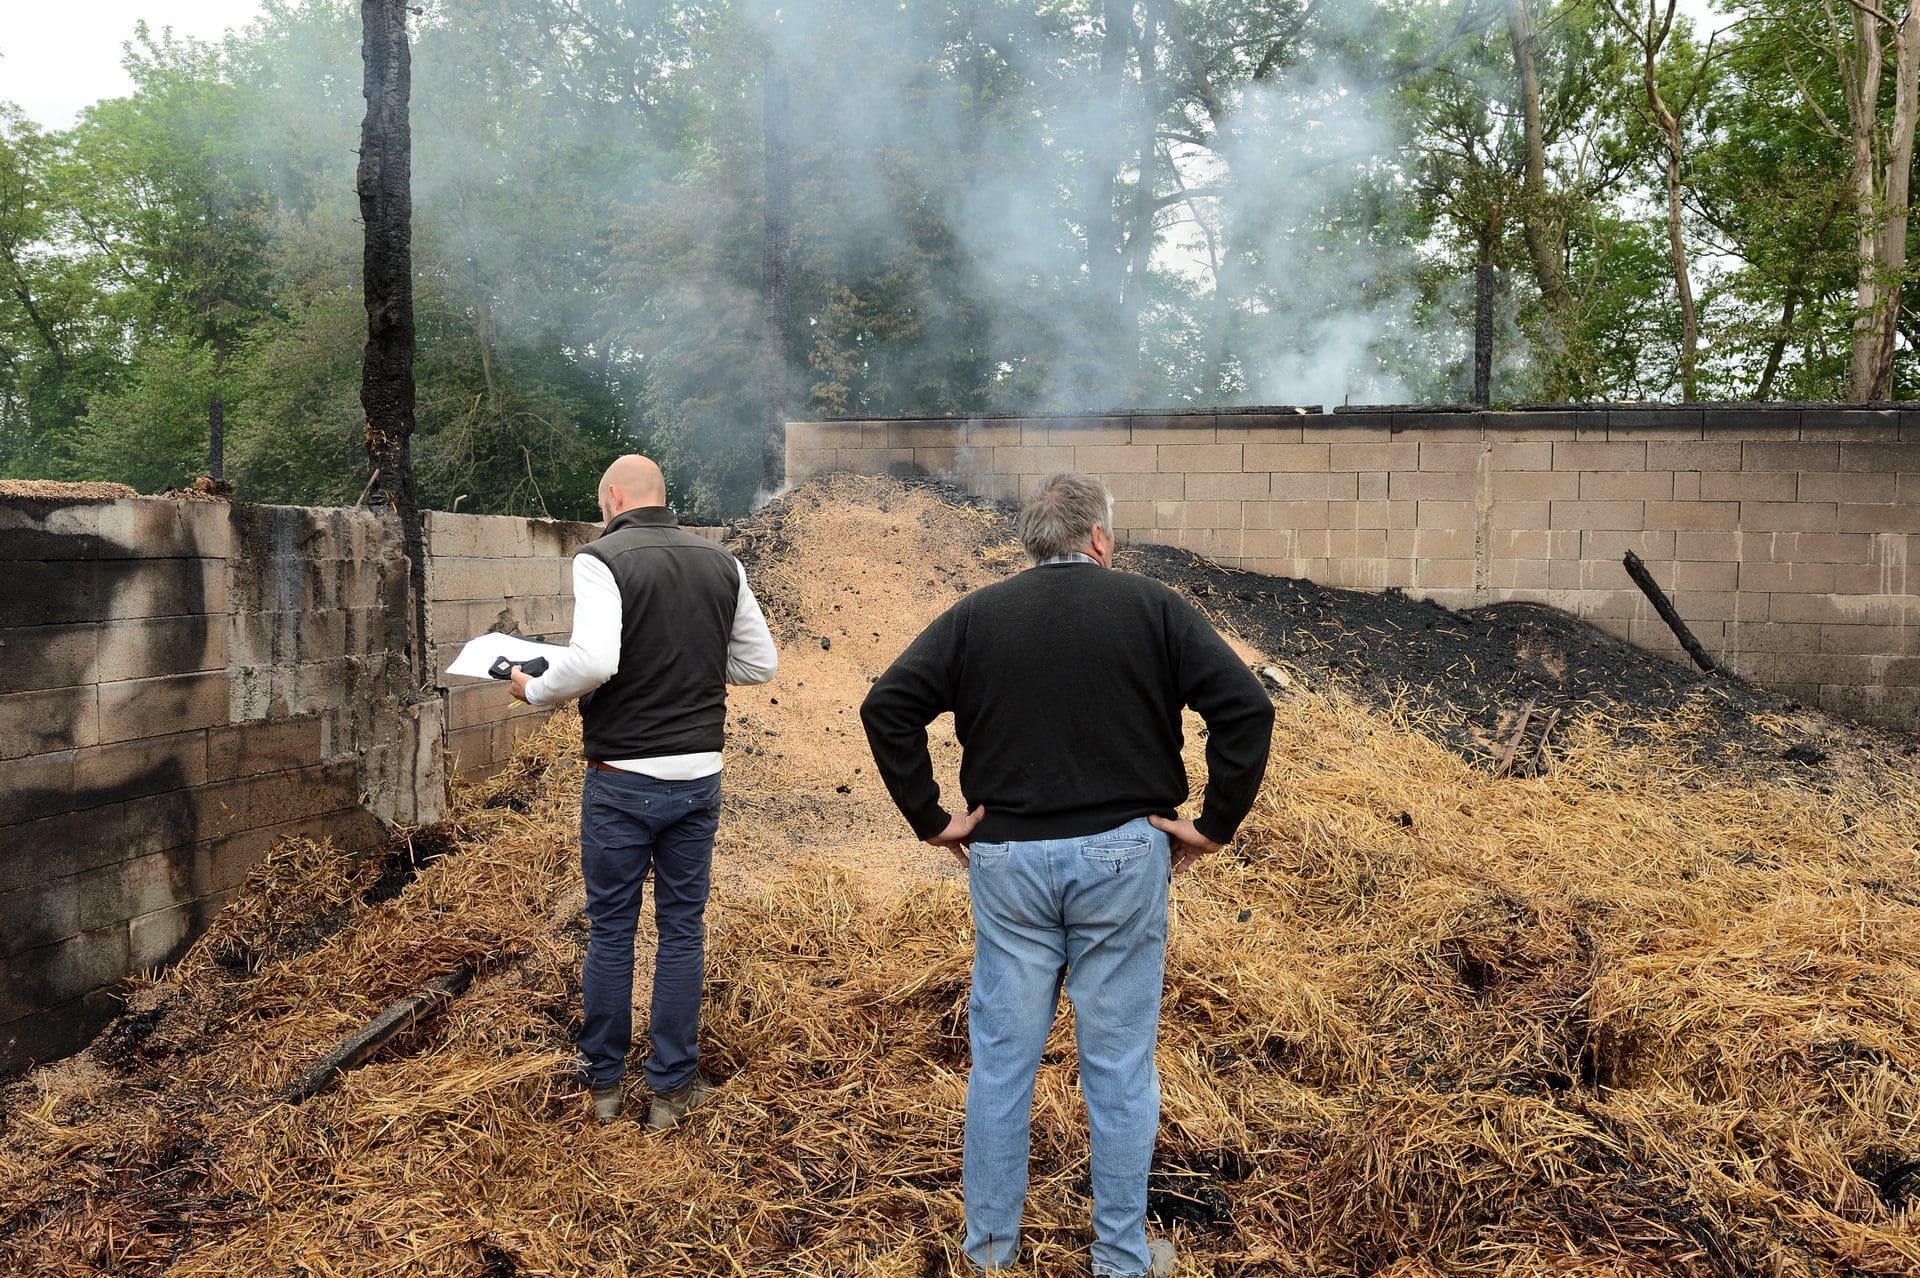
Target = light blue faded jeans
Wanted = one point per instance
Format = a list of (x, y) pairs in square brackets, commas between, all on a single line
[(1089, 913)]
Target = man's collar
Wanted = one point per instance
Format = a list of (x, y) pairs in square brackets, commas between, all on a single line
[(643, 517), (1071, 557)]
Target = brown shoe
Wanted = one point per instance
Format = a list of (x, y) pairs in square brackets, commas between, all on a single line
[(670, 1107)]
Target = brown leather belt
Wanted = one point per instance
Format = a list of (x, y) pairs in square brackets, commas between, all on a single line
[(604, 767)]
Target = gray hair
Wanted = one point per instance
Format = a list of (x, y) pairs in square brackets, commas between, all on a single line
[(1061, 516)]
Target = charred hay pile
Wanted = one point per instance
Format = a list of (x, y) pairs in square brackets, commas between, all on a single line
[(1640, 1015)]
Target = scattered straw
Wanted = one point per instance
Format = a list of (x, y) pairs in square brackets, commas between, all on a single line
[(1640, 1016)]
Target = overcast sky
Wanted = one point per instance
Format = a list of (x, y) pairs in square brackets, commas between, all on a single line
[(58, 57)]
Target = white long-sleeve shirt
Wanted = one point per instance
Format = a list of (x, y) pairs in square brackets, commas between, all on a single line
[(593, 656)]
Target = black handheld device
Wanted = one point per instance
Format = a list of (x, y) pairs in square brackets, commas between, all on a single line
[(502, 668)]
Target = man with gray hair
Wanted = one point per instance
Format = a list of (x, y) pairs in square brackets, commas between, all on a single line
[(1066, 684)]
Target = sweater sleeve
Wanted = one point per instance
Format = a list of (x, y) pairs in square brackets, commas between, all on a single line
[(915, 689), (1239, 719)]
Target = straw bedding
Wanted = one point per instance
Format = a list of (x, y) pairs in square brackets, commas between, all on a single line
[(1637, 1016)]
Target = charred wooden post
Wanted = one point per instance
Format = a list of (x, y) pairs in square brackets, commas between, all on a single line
[(400, 1017), (385, 184), (776, 272), (1483, 333), (1637, 570)]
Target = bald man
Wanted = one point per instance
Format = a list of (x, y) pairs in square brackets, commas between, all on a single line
[(662, 622)]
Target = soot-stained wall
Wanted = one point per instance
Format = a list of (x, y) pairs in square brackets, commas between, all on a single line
[(182, 684), (1783, 533)]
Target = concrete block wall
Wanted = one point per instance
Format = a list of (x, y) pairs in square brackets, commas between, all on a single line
[(1782, 533), (181, 685), (484, 573)]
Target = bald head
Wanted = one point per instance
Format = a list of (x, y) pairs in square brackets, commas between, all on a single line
[(631, 481)]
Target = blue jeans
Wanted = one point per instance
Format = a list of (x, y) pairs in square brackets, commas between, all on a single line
[(629, 824), (1089, 913)]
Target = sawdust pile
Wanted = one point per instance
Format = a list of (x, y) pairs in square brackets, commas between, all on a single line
[(1633, 1017)]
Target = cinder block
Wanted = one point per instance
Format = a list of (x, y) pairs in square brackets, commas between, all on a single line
[(1201, 457), (1694, 516), (1777, 457), (250, 749), (1116, 459), (1285, 514), (1430, 543), (1873, 579), (1286, 485), (1521, 515), (1771, 636), (132, 769), (1173, 428), (1598, 516), (1655, 635), (1626, 486), (924, 433), (1712, 605), (1520, 543), (1453, 458), (1598, 456), (1866, 640), (63, 971), (49, 720), (132, 708), (1261, 426), (1442, 574), (1372, 486), (1448, 515), (1847, 423), (1651, 544), (1861, 487), (1535, 486), (34, 786), (158, 938), (1784, 421), (1518, 574), (1831, 610), (144, 647), (1711, 454), (1822, 548), (1234, 486), (1300, 458), (1357, 543), (272, 798), (1890, 707), (1691, 575), (1668, 421), (1199, 514), (1748, 486), (1766, 577), (1880, 458), (1398, 455), (1704, 546), (1424, 486), (1894, 517), (36, 658), (1781, 516), (1686, 485), (1042, 460), (1534, 456), (1533, 423), (806, 463), (1613, 605), (1146, 487)]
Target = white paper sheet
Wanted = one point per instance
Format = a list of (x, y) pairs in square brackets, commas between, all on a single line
[(479, 654)]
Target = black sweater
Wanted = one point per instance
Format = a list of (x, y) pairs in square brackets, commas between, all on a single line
[(1066, 684)]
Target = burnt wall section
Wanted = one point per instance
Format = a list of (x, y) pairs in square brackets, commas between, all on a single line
[(181, 685), (488, 572), (1784, 534)]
